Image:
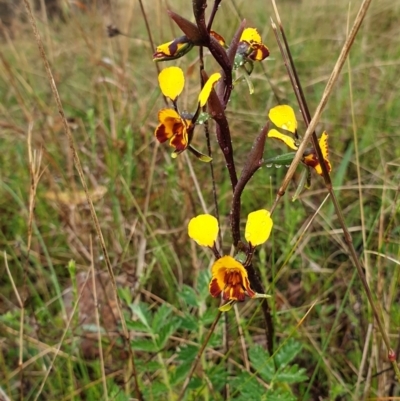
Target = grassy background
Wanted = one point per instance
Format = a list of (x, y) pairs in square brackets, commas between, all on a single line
[(144, 199)]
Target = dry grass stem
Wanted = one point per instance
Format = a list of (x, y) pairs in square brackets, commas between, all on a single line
[(79, 169), (98, 326)]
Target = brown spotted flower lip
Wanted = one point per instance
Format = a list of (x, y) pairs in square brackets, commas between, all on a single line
[(230, 280), (173, 127), (251, 44)]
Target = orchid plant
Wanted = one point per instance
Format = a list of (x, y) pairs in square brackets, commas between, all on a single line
[(229, 274), (233, 276)]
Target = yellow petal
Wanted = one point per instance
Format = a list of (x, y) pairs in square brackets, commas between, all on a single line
[(259, 53), (283, 117), (273, 133), (166, 115), (258, 227), (208, 87), (250, 35), (203, 229), (323, 144), (171, 81)]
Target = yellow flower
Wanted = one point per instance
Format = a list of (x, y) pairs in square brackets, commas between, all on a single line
[(173, 125), (283, 117), (179, 47), (251, 45), (229, 276), (173, 50), (311, 158)]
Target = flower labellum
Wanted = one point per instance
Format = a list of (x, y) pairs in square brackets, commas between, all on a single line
[(311, 158), (230, 279), (251, 46), (173, 127)]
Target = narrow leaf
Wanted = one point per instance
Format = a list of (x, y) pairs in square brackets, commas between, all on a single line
[(280, 160)]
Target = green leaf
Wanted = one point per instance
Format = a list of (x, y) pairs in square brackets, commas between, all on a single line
[(262, 363), (187, 353), (149, 366), (209, 316), (137, 325), (156, 391), (144, 345), (246, 387), (117, 394), (190, 322), (280, 160), (195, 383), (280, 394), (142, 313), (291, 374), (302, 183), (215, 339), (161, 317), (218, 376), (287, 352), (189, 296), (202, 284), (166, 332), (180, 373)]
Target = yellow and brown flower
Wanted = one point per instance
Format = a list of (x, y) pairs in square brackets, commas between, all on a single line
[(229, 276), (251, 45), (229, 280), (175, 126), (283, 117), (174, 49), (180, 46)]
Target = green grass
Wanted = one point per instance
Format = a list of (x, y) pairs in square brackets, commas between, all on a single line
[(109, 90)]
